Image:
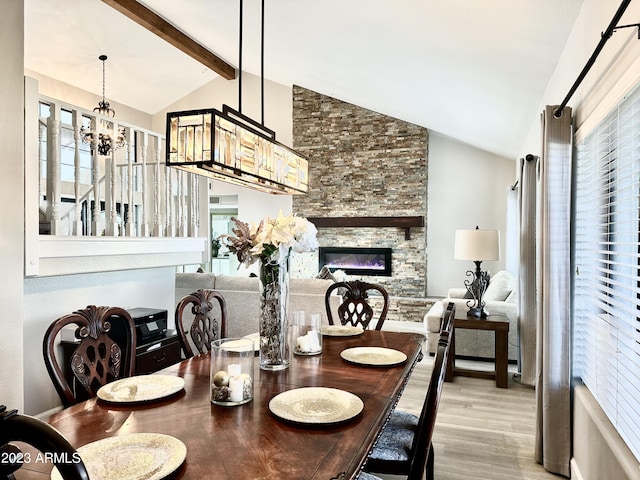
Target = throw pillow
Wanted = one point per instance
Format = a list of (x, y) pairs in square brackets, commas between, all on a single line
[(325, 274), (500, 286)]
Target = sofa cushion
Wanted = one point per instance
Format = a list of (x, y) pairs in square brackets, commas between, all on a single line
[(236, 283), (195, 281), (326, 274), (187, 283), (500, 287), (317, 286)]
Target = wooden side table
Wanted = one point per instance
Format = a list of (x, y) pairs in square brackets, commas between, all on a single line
[(500, 326)]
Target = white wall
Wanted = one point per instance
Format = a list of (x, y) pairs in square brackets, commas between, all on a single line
[(11, 205), (48, 298), (253, 205), (278, 103), (52, 88), (467, 187)]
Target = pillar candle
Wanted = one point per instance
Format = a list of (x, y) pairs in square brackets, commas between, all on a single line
[(236, 389), (234, 370)]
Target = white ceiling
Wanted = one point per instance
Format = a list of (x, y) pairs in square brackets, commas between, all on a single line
[(473, 70)]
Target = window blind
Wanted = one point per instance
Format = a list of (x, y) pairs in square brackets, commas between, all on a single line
[(606, 302)]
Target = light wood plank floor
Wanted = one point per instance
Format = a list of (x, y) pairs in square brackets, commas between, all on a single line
[(482, 432)]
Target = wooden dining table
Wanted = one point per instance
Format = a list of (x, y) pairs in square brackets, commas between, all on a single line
[(248, 441)]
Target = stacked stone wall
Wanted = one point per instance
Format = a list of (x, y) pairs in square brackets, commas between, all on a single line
[(363, 163)]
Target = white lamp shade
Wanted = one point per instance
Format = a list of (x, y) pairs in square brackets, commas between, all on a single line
[(477, 245)]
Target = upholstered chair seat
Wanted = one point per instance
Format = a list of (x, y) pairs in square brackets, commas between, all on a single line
[(394, 445)]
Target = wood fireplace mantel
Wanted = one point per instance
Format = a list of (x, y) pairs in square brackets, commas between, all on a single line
[(400, 222)]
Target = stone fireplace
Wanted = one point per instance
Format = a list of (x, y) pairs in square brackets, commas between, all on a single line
[(364, 165)]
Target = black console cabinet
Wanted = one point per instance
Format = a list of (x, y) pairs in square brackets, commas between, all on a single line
[(158, 354)]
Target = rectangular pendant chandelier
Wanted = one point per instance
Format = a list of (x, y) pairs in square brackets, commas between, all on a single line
[(232, 147)]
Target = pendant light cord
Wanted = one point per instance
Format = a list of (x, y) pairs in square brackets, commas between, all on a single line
[(103, 58), (261, 63), (240, 62), (262, 67)]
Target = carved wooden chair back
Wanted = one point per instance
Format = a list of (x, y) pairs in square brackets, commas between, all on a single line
[(199, 321), (422, 450), (355, 309), (97, 359), (404, 446), (24, 428)]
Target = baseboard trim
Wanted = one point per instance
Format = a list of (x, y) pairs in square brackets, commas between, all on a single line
[(575, 471), (48, 413)]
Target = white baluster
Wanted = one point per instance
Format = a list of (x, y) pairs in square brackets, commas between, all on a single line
[(53, 170), (144, 228), (194, 205), (182, 198), (131, 229), (42, 130), (111, 193), (158, 230), (120, 170), (96, 224), (77, 217), (169, 203)]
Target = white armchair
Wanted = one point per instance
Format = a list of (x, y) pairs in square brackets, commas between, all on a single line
[(501, 298)]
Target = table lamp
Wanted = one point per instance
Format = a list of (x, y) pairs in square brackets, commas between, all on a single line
[(477, 245)]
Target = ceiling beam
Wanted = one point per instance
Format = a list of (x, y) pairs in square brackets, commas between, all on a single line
[(158, 25)]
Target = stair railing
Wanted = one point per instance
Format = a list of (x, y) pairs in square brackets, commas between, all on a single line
[(129, 192)]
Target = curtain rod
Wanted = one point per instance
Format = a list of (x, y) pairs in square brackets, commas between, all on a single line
[(604, 37)]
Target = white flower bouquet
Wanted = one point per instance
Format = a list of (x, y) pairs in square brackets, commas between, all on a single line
[(284, 234)]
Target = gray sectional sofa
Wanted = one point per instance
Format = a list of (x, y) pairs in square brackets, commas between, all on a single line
[(242, 297)]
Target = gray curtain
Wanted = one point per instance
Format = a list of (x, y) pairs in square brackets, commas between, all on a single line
[(553, 401), (527, 293)]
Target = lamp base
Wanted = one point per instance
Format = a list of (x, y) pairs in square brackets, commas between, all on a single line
[(476, 288), (477, 312)]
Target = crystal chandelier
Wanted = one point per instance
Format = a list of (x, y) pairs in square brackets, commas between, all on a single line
[(102, 137)]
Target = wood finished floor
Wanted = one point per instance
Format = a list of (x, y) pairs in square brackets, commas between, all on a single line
[(482, 432)]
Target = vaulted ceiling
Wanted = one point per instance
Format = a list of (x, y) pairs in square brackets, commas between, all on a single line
[(471, 70)]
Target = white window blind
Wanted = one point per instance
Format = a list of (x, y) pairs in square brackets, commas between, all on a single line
[(606, 306)]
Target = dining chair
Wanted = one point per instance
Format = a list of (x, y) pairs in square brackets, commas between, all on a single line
[(199, 321), (355, 310), (24, 428), (404, 446), (97, 359)]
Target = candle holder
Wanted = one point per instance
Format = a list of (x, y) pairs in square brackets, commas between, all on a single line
[(232, 371), (306, 338)]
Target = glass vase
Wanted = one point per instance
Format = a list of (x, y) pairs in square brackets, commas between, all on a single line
[(274, 309)]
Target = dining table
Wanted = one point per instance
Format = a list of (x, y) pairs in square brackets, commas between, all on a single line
[(248, 441)]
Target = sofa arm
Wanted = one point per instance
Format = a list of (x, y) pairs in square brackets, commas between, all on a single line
[(505, 308), (456, 292)]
